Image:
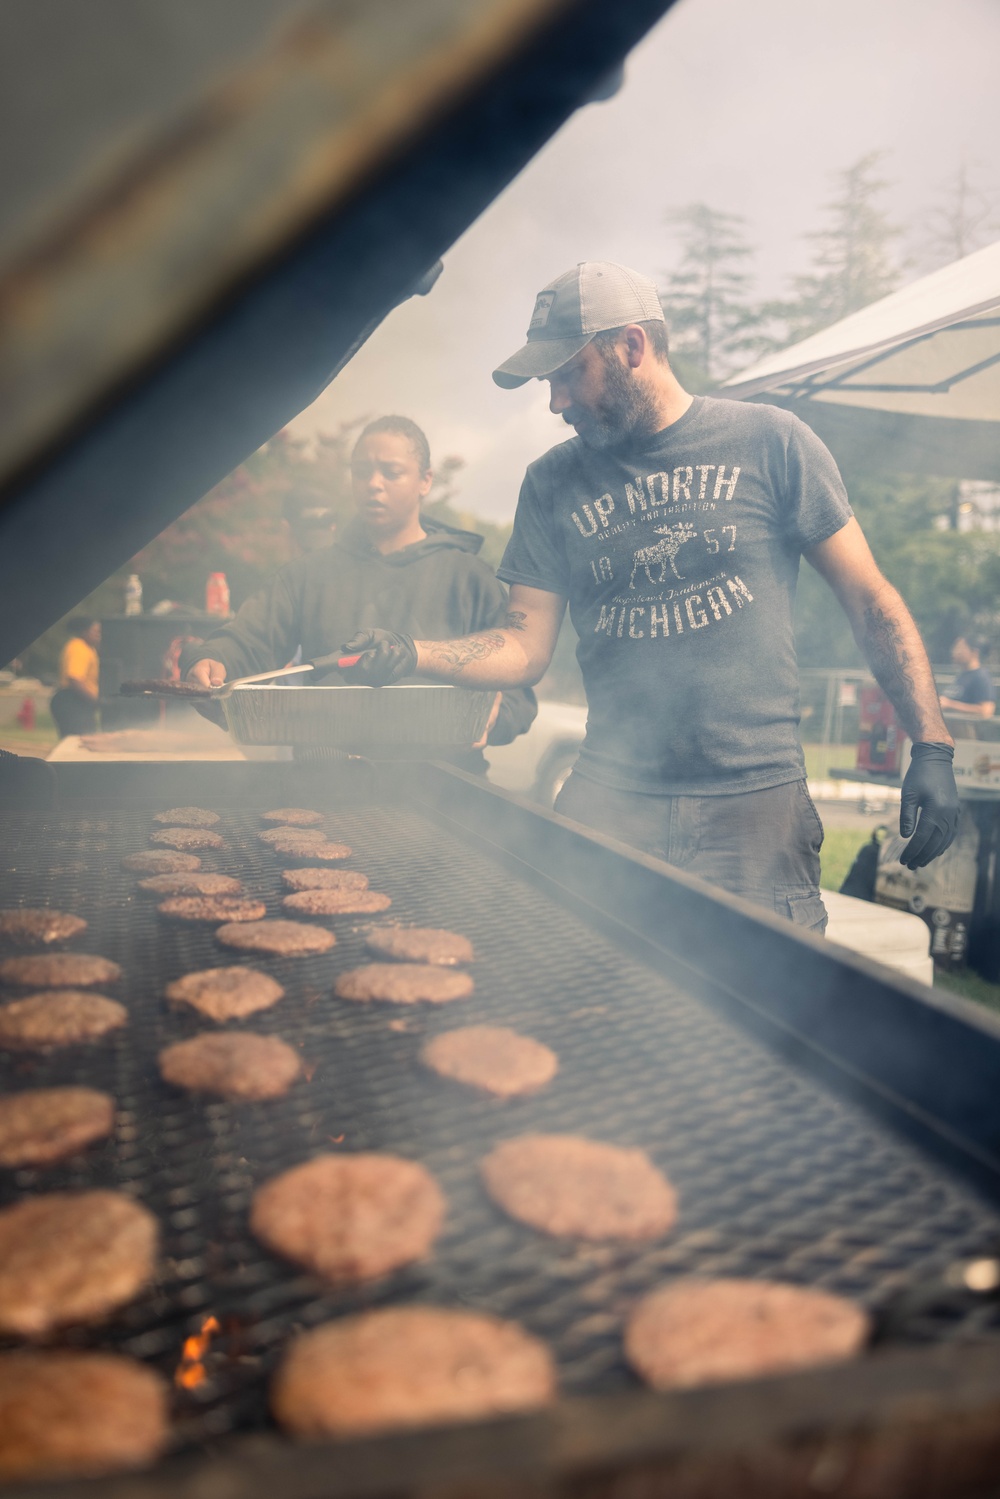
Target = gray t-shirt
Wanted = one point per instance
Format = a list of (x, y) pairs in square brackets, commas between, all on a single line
[(679, 556)]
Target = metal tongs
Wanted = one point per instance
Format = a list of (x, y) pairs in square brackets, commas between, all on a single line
[(155, 687)]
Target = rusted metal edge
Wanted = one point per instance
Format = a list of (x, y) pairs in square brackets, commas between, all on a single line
[(912, 1424), (224, 189)]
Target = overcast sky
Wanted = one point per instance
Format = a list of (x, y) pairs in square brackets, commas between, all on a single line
[(749, 107)]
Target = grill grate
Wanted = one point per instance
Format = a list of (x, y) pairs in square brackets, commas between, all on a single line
[(776, 1176)]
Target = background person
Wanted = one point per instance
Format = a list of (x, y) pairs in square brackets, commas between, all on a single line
[(972, 690), (391, 563), (673, 525), (74, 703)]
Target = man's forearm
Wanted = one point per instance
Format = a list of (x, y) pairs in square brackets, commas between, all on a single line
[(886, 633), (499, 658)]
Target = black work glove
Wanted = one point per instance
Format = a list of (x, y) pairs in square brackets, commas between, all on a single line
[(385, 657), (929, 787)]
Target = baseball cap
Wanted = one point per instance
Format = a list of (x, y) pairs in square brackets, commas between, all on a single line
[(593, 296)]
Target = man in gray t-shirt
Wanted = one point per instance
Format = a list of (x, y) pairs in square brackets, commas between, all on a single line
[(673, 526)]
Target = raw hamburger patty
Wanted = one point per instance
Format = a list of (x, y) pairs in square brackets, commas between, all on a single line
[(350, 1217), (212, 908), (187, 817), (49, 1123), (32, 926), (182, 838), (409, 1366), (311, 848), (562, 1184), (492, 1058), (301, 835), (72, 1257), (286, 939), (191, 884), (403, 984), (78, 1414), (158, 861), (295, 817), (59, 970), (225, 993), (336, 902), (324, 879), (696, 1332), (420, 944), (234, 1064), (58, 1017)]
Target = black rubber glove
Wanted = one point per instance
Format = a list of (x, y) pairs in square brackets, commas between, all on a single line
[(928, 788), (385, 657)]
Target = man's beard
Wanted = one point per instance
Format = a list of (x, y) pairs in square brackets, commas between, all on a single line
[(626, 409)]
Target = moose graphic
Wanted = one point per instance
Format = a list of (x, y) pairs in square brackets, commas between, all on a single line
[(662, 552)]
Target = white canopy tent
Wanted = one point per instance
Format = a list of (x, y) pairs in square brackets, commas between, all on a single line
[(911, 383)]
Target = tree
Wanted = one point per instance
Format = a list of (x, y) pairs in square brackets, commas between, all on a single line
[(854, 262), (714, 325), (962, 219)]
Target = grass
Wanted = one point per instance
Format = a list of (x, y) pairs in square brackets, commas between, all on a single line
[(970, 986), (840, 846), (37, 741)]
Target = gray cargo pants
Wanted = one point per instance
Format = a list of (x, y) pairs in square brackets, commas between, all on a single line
[(763, 845)]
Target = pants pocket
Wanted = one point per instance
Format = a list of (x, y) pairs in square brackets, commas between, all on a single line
[(803, 908)]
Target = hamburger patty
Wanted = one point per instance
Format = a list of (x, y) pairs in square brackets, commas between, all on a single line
[(335, 902), (58, 970), (409, 1366), (191, 884), (324, 879), (225, 993), (420, 944), (565, 1185), (301, 835), (233, 1064), (187, 838), (34, 926), (212, 908), (58, 1017), (403, 984), (285, 939), (158, 861), (492, 1058), (318, 849), (187, 817), (350, 1217), (696, 1332), (46, 1124), (296, 817), (66, 1414), (68, 1257)]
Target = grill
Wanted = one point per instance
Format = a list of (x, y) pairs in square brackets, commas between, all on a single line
[(780, 1173)]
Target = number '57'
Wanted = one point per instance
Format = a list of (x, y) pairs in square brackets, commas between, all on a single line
[(712, 540)]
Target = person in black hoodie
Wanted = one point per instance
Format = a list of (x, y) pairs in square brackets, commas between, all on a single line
[(391, 564)]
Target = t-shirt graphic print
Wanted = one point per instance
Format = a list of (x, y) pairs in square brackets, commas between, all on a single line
[(679, 556)]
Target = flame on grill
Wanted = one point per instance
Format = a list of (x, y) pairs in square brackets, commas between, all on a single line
[(190, 1372)]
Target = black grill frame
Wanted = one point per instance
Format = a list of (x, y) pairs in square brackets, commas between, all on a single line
[(829, 1012)]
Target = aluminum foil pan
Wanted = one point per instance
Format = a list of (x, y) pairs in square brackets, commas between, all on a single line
[(411, 719)]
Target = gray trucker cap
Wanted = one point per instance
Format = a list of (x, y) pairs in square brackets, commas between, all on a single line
[(593, 296)]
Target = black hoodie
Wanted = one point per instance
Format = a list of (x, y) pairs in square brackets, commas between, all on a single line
[(433, 590)]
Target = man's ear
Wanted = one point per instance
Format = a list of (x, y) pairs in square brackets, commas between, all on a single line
[(426, 483), (636, 344)]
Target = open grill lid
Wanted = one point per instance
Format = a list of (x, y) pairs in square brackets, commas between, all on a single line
[(209, 210)]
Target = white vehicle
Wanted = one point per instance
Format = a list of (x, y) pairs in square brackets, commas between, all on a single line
[(537, 763)]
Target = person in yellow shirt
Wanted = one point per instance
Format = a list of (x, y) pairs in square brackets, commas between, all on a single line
[(74, 705)]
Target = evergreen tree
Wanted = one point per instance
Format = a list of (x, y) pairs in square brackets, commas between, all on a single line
[(714, 325), (963, 219), (854, 262)]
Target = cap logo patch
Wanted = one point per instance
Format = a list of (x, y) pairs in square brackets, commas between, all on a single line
[(543, 306)]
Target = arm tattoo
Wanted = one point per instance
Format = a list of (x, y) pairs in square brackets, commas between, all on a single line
[(890, 662), (459, 653), (514, 619)]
